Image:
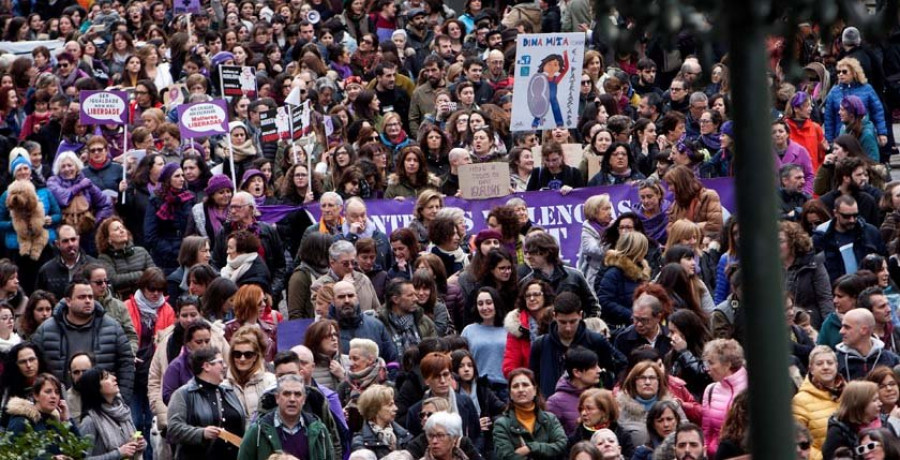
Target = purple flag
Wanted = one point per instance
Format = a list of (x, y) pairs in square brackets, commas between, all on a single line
[(202, 119), (103, 107)]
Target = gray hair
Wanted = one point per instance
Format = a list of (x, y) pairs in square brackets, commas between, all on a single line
[(291, 378), (363, 454), (451, 213), (367, 346), (699, 96), (355, 200), (787, 169), (456, 154), (516, 202), (331, 196), (246, 198), (398, 455), (450, 422), (339, 248)]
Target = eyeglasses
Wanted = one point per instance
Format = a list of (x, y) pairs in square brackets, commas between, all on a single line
[(437, 436), (63, 65), (647, 378), (235, 207), (864, 449), (704, 121), (97, 150), (154, 289), (217, 361), (104, 282), (586, 82), (243, 354), (804, 445), (424, 415), (884, 386)]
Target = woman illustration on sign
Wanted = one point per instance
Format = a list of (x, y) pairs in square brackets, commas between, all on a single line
[(543, 87)]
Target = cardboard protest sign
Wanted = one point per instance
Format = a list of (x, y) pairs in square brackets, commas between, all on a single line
[(547, 81), (484, 180), (572, 154), (237, 81), (103, 107), (203, 119)]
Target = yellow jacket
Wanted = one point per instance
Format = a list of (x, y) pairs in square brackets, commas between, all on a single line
[(812, 407)]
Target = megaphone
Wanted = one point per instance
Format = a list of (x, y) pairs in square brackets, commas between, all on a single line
[(313, 17)]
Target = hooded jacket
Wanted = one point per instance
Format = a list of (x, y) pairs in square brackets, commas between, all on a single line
[(24, 414), (125, 266), (518, 341), (812, 407), (564, 403), (852, 365), (110, 347), (547, 352)]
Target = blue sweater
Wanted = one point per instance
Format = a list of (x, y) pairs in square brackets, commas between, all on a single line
[(487, 345), (51, 208)]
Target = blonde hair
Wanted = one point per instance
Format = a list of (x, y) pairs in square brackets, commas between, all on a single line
[(593, 204), (683, 229), (633, 245), (858, 73), (725, 351), (372, 399), (367, 346)]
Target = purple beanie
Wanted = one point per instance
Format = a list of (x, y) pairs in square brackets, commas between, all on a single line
[(485, 235), (167, 172), (216, 183), (854, 106), (249, 174), (728, 129)]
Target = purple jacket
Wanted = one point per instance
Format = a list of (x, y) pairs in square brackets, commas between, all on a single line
[(564, 403), (797, 155), (64, 190), (177, 374)]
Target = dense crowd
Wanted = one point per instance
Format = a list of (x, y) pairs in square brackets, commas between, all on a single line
[(142, 288)]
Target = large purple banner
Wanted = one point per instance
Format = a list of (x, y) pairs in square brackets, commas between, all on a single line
[(562, 216)]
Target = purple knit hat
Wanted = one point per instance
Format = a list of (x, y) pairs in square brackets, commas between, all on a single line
[(854, 106), (728, 129), (485, 235), (216, 183), (799, 99), (167, 172), (250, 174)]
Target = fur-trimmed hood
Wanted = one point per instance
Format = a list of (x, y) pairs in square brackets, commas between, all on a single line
[(513, 324), (632, 270), (27, 409)]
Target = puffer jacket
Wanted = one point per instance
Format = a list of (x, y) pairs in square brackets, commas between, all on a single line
[(564, 403), (250, 392), (166, 235), (707, 211), (547, 441), (812, 407), (633, 417), (64, 190), (111, 348), (518, 341), (125, 266), (808, 280), (810, 135), (837, 94), (24, 415), (615, 288), (161, 361), (716, 401), (51, 208)]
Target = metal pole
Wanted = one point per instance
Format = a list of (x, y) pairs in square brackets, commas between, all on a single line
[(771, 422)]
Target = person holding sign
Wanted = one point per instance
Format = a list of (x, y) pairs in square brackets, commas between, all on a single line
[(554, 174), (242, 147)]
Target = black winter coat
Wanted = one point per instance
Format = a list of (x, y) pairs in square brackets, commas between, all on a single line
[(272, 247), (111, 348), (166, 235)]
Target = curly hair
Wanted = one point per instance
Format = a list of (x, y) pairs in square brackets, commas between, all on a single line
[(508, 220), (102, 237), (856, 68), (798, 240), (441, 230)]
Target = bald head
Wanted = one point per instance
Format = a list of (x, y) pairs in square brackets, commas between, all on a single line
[(856, 329), (861, 316)]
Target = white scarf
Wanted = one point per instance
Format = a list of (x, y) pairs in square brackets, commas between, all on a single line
[(238, 265), (7, 344), (146, 306)]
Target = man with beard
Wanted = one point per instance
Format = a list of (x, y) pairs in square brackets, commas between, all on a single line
[(419, 36), (497, 76), (851, 176), (443, 47), (689, 442), (791, 191), (645, 81), (392, 99), (55, 275), (346, 311), (650, 107), (423, 96), (846, 239)]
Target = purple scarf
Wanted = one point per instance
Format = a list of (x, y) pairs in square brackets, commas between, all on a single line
[(216, 218), (170, 201)]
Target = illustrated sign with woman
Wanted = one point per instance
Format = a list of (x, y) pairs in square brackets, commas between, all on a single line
[(547, 68)]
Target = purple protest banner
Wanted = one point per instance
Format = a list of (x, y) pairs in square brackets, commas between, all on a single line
[(103, 107), (562, 216), (187, 6), (291, 333), (202, 119)]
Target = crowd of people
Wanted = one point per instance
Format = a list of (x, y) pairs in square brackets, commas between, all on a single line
[(142, 288)]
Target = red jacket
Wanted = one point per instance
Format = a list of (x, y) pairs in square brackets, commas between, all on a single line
[(165, 317), (518, 341), (810, 136)]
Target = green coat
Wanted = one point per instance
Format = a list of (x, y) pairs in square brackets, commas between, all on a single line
[(547, 442), (261, 439)]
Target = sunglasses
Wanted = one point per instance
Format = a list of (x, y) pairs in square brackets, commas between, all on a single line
[(843, 71), (804, 445), (848, 215), (244, 354), (425, 415), (864, 449)]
